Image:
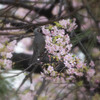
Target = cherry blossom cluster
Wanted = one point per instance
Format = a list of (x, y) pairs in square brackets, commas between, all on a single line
[(57, 43), (59, 46), (6, 50), (69, 24)]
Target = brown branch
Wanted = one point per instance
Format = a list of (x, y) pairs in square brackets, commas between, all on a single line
[(27, 76), (46, 22), (15, 17), (13, 33), (17, 4), (6, 10)]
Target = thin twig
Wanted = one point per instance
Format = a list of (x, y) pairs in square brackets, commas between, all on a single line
[(26, 77), (44, 23)]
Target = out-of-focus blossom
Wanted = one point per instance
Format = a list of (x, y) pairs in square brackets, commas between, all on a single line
[(92, 64), (11, 46), (98, 38), (6, 50), (9, 55), (32, 87), (79, 65), (3, 53), (91, 72), (1, 46), (53, 73), (3, 39), (8, 64), (45, 31)]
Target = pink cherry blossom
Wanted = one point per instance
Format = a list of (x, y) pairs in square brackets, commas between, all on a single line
[(98, 38), (67, 64), (32, 87), (50, 69), (92, 64), (63, 23), (79, 64), (6, 52), (1, 46), (58, 44), (91, 72), (9, 55), (8, 64), (45, 31), (53, 73)]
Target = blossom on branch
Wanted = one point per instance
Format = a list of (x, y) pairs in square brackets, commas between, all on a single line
[(6, 50), (59, 47)]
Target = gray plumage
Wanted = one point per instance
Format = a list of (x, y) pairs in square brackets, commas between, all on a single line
[(38, 45)]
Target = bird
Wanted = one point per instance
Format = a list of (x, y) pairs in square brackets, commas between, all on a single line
[(38, 45), (38, 50)]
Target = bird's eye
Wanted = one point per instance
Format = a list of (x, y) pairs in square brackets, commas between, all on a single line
[(38, 59)]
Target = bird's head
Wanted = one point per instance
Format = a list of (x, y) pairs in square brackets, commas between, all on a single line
[(37, 31)]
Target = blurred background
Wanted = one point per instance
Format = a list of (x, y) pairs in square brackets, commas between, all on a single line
[(18, 19)]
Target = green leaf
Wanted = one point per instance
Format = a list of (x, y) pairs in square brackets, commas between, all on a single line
[(43, 98), (58, 25), (26, 91), (50, 27), (80, 83)]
